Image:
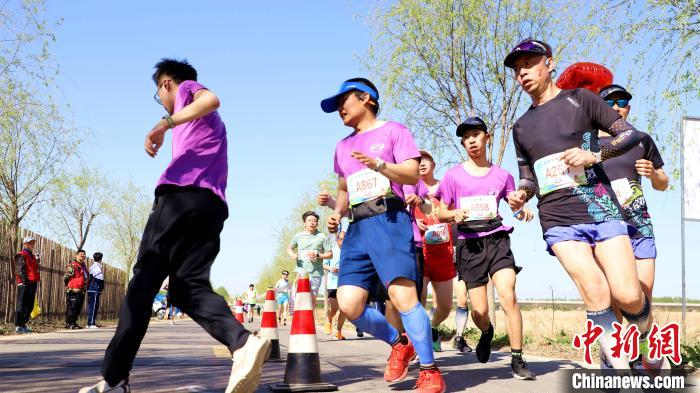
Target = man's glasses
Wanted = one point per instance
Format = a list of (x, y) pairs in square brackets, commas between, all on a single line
[(620, 103), (156, 96)]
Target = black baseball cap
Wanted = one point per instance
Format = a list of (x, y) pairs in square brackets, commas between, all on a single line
[(528, 46), (471, 124), (610, 89)]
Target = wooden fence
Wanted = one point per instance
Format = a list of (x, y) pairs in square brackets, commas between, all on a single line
[(51, 293)]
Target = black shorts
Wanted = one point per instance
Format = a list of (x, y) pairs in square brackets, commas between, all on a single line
[(479, 258), (332, 293), (381, 294)]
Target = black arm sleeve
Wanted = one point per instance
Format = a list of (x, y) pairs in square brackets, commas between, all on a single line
[(527, 178), (21, 268), (607, 119)]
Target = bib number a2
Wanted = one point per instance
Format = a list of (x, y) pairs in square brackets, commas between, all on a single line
[(480, 207), (553, 174), (366, 185)]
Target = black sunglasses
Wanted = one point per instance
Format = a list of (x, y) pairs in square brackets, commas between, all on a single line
[(620, 103)]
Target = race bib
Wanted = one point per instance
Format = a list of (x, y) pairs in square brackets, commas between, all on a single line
[(481, 207), (307, 255), (553, 174), (437, 234), (623, 191), (366, 185)]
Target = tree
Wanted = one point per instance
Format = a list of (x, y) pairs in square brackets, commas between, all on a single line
[(441, 61), (25, 38), (35, 144), (224, 293), (126, 216), (662, 37), (77, 201)]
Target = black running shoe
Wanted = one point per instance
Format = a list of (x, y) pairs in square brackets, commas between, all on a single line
[(520, 370), (483, 348), (461, 345)]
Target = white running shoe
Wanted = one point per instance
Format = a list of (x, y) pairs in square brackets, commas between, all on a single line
[(103, 387), (247, 365)]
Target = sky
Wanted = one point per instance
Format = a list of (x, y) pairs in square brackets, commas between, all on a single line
[(270, 63)]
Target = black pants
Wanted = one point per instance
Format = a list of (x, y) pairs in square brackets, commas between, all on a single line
[(25, 303), (181, 240), (74, 303), (93, 307)]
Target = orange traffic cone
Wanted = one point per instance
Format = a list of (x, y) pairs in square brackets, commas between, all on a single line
[(268, 326), (303, 371), (239, 310)]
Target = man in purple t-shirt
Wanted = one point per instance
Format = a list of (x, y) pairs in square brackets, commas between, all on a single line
[(469, 195), (181, 238), (372, 164)]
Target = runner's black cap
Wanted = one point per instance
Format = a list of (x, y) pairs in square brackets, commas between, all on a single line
[(610, 89), (470, 124), (528, 46)]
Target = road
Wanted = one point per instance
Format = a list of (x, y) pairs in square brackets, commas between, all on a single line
[(183, 358)]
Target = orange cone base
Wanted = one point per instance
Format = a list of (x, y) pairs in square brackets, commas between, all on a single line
[(275, 354)]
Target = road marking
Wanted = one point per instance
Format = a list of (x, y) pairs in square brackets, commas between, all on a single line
[(221, 351)]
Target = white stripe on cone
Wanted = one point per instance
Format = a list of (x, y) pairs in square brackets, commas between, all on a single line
[(303, 301), (270, 333), (270, 306), (239, 309), (303, 343)]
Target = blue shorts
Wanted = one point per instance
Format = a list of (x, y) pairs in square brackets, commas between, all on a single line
[(587, 233), (282, 298), (644, 248), (379, 246)]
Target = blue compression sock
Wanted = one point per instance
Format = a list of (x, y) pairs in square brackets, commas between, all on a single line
[(374, 323), (417, 326)]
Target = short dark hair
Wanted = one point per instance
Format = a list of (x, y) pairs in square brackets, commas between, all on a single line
[(373, 102), (179, 70), (79, 251), (251, 285), (97, 256), (307, 214)]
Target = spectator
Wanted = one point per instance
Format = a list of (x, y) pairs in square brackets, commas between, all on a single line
[(27, 272), (96, 284), (75, 280)]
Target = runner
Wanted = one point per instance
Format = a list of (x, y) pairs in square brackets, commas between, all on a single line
[(625, 174), (581, 221), (372, 164), (309, 248), (181, 238), (436, 239), (282, 288), (332, 266), (472, 191), (251, 300)]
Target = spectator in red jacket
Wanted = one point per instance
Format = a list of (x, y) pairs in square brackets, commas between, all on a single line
[(27, 272), (76, 284)]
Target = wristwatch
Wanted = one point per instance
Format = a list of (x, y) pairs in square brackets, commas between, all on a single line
[(169, 119), (380, 164)]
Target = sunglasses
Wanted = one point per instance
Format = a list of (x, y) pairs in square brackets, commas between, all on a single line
[(620, 103), (532, 46)]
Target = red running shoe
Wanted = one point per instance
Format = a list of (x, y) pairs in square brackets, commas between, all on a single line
[(430, 381), (397, 364)]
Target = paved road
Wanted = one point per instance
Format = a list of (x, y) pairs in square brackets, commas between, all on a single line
[(183, 358)]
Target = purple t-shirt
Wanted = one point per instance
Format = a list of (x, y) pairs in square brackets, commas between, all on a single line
[(421, 190), (457, 184), (391, 142), (199, 148)]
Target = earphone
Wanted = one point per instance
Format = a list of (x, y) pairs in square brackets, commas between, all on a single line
[(546, 62)]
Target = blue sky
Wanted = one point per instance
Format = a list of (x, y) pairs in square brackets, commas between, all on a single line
[(270, 64)]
